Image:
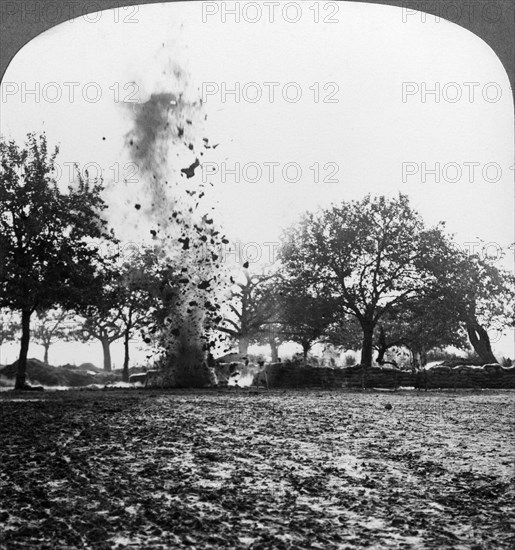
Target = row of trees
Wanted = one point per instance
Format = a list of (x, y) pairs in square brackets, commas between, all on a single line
[(364, 274), (370, 275), (53, 258), (45, 234), (120, 311)]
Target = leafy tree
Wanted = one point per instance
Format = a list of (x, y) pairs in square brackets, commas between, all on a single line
[(344, 332), (369, 255), (471, 296), (136, 301), (483, 297), (424, 323), (45, 235), (52, 326), (102, 318), (124, 302)]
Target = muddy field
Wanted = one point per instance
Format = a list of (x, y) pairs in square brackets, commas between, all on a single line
[(254, 470)]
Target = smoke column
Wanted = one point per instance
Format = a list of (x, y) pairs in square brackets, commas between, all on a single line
[(165, 142)]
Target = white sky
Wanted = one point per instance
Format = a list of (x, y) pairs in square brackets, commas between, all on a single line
[(370, 132)]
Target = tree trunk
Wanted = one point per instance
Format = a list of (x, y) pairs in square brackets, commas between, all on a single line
[(243, 345), (125, 372), (305, 350), (416, 363), (367, 347), (367, 350), (423, 357), (24, 349), (382, 346), (107, 354), (480, 342), (274, 349), (45, 358)]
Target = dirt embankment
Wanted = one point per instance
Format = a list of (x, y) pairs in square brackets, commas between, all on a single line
[(66, 375), (288, 375)]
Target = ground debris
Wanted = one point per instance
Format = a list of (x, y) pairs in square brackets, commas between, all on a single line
[(294, 470)]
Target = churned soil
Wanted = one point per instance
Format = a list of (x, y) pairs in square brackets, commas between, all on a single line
[(248, 469)]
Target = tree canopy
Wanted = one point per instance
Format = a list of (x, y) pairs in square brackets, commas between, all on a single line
[(370, 255), (46, 235)]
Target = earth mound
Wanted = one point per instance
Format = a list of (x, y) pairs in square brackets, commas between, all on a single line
[(67, 375)]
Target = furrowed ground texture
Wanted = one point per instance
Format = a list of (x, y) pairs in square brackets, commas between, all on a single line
[(256, 470)]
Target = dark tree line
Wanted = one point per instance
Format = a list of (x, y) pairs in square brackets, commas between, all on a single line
[(364, 274), (45, 236), (369, 274)]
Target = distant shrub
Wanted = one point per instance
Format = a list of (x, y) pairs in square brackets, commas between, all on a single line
[(452, 359), (295, 361), (256, 357), (400, 356), (350, 360)]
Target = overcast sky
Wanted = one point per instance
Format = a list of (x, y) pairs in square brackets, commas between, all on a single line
[(366, 59)]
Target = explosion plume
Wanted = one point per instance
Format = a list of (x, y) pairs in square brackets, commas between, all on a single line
[(166, 141)]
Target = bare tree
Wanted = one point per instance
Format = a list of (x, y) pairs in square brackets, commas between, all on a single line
[(52, 326), (252, 305)]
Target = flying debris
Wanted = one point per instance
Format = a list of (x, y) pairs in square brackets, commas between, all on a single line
[(175, 332), (153, 232), (245, 265), (204, 285), (137, 206), (180, 131), (185, 243), (190, 171)]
